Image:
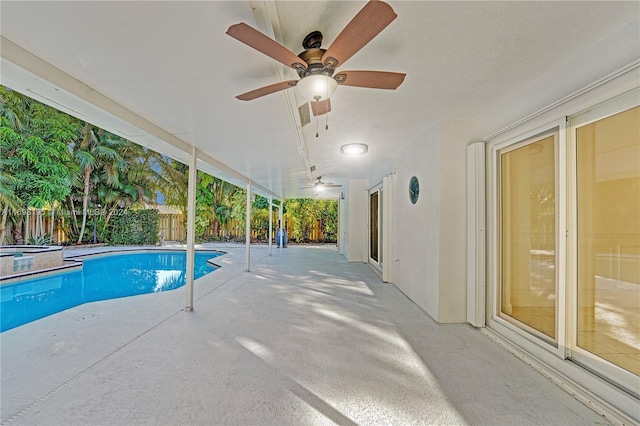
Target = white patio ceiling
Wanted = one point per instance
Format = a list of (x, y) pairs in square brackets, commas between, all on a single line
[(165, 74)]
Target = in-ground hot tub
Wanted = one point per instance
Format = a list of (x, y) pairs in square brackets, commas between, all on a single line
[(16, 260)]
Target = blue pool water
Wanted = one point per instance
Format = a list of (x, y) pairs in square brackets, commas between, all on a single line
[(109, 277)]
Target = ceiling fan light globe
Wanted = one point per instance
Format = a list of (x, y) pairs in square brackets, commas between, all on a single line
[(354, 149), (317, 87)]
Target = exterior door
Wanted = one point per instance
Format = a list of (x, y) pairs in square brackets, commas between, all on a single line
[(375, 226)]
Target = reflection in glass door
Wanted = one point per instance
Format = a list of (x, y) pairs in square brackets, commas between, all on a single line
[(608, 238), (528, 284)]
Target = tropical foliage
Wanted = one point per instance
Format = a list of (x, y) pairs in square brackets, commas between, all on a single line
[(306, 214), (217, 202), (115, 175), (36, 167), (51, 160), (90, 177)]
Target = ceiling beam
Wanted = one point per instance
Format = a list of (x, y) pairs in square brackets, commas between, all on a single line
[(268, 22)]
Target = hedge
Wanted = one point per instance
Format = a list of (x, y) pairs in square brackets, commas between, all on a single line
[(135, 227)]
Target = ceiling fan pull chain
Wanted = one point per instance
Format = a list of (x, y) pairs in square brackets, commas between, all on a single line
[(317, 98), (326, 123)]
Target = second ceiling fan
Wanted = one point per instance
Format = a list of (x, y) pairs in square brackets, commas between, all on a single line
[(319, 185), (316, 66)]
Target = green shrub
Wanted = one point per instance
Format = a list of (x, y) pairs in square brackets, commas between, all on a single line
[(134, 227)]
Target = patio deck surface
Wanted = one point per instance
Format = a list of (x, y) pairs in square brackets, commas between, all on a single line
[(305, 338)]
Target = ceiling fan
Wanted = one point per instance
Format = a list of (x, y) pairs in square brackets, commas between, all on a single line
[(316, 66), (319, 185)]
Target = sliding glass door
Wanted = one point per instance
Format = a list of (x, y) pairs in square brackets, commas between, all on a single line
[(607, 155), (565, 245), (527, 193)]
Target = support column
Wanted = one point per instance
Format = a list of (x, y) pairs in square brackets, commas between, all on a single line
[(248, 227), (270, 224), (281, 242), (191, 228)]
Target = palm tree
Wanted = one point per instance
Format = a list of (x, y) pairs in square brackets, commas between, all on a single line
[(222, 195), (97, 151), (173, 183), (136, 184), (48, 156), (8, 200)]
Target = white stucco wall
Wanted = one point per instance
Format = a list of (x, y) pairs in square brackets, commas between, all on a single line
[(415, 239), (355, 249), (453, 138), (430, 236)]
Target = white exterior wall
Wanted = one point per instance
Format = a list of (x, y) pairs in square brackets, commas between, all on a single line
[(429, 238), (415, 233), (356, 224), (453, 138)]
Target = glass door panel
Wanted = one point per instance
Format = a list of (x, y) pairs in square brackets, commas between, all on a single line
[(608, 210), (373, 220), (527, 192)]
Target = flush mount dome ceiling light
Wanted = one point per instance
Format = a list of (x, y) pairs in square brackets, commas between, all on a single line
[(354, 149)]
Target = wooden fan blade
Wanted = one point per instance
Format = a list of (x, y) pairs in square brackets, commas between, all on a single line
[(266, 90), (254, 38), (370, 79), (321, 107), (373, 18)]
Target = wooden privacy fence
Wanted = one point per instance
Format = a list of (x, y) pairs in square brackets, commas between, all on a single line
[(171, 225), (234, 230), (34, 223), (172, 228)]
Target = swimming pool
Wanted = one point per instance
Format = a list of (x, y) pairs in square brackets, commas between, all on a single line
[(101, 278)]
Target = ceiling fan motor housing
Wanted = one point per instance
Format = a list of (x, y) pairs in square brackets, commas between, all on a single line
[(313, 59)]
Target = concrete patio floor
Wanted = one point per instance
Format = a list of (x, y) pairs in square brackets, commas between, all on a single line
[(305, 338)]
